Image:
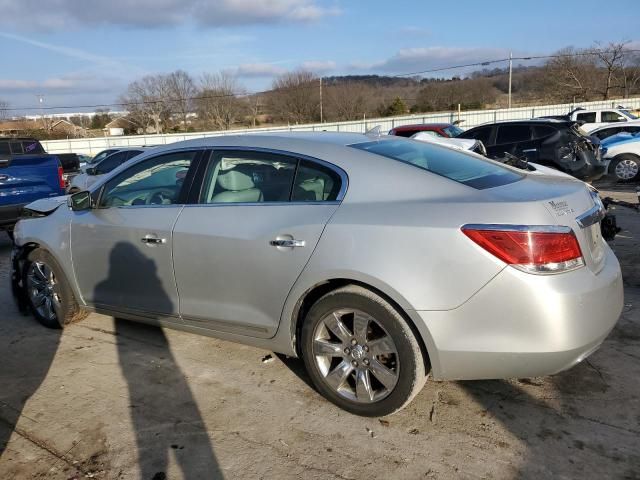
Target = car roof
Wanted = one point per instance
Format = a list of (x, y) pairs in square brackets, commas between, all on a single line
[(422, 125), (535, 121)]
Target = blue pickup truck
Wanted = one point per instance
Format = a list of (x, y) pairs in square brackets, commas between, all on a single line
[(27, 173)]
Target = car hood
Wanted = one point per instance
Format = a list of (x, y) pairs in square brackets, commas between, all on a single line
[(47, 205), (623, 137)]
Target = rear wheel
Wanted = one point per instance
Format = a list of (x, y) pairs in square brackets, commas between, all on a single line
[(49, 295), (625, 168), (360, 352)]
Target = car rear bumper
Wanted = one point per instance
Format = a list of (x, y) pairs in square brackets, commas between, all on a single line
[(523, 325), (9, 215)]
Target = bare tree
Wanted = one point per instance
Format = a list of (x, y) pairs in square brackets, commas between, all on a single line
[(218, 103), (148, 102), (4, 105), (348, 101), (296, 97), (573, 73), (610, 58), (181, 89)]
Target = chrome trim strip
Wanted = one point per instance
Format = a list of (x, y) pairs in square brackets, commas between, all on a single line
[(591, 216), (518, 228), (255, 204)]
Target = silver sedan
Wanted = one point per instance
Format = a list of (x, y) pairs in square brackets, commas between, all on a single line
[(379, 261)]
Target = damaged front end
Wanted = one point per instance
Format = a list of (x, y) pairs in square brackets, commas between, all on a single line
[(582, 158)]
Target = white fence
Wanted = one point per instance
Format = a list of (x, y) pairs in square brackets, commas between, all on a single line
[(468, 119)]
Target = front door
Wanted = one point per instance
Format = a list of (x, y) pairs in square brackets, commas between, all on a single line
[(122, 248), (240, 250)]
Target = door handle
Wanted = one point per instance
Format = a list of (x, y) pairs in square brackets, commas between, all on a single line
[(287, 243), (152, 240)]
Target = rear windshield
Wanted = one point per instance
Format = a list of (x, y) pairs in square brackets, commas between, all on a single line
[(455, 165), (453, 130)]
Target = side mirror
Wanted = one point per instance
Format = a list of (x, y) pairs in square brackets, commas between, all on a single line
[(91, 171), (80, 201)]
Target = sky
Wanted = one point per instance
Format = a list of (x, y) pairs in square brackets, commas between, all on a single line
[(85, 52)]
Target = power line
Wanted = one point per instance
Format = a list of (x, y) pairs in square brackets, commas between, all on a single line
[(299, 87)]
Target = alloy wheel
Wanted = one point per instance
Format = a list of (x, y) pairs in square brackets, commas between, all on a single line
[(355, 356), (43, 290), (626, 169)]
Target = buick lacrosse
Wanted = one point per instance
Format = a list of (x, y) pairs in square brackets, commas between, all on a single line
[(379, 261)]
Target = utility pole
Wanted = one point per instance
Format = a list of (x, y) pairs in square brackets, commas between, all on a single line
[(321, 118), (41, 102), (510, 74)]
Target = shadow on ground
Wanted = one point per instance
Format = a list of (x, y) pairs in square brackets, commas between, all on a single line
[(164, 413)]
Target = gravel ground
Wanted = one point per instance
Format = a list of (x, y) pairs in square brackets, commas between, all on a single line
[(117, 400)]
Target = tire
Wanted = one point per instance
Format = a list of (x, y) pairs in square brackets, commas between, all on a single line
[(46, 284), (625, 168), (345, 367)]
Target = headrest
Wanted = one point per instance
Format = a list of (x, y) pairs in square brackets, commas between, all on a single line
[(235, 181)]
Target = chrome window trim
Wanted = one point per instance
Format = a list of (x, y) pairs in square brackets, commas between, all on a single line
[(344, 178), (517, 228)]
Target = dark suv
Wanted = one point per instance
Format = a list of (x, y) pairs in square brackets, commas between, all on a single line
[(554, 143)]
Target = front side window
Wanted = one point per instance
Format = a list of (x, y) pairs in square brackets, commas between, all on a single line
[(483, 134), (155, 181), (513, 134), (446, 162)]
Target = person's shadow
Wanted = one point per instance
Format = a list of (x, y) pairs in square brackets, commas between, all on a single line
[(163, 411)]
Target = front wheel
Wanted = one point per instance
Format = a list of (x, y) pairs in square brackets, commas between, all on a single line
[(625, 168), (360, 353), (49, 294)]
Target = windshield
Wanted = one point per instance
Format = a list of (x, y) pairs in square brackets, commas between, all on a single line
[(453, 130), (452, 164), (629, 114)]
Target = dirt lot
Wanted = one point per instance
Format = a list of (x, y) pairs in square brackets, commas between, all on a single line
[(117, 400)]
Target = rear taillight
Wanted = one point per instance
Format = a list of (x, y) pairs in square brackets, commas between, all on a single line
[(63, 184), (533, 249)]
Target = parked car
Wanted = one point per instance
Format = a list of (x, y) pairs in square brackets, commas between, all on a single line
[(470, 145), (448, 130), (27, 173), (377, 260), (554, 143), (590, 119), (95, 170), (100, 156), (623, 153), (606, 131)]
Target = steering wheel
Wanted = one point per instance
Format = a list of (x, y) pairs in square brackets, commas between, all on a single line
[(162, 196)]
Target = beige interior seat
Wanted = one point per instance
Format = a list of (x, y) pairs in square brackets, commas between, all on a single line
[(314, 185), (238, 186)]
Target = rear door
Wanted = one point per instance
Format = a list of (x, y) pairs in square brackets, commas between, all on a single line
[(239, 250)]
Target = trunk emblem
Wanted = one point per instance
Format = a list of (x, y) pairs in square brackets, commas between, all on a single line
[(561, 208)]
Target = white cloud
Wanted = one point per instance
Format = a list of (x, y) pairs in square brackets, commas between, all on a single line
[(257, 70), (316, 66), (417, 59), (60, 14)]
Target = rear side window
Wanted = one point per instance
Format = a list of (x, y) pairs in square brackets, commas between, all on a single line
[(16, 148), (589, 117), (32, 146), (315, 183), (4, 148), (513, 133), (452, 164)]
